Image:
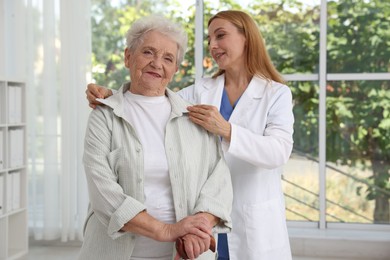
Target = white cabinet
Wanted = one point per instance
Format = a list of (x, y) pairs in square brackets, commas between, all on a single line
[(13, 170)]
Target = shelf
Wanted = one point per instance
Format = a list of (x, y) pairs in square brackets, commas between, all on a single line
[(13, 171)]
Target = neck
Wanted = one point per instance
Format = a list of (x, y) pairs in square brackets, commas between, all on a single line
[(146, 91), (239, 79)]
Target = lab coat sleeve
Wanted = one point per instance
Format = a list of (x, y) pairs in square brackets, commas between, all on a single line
[(111, 205), (271, 147)]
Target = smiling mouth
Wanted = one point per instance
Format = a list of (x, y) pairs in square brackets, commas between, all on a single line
[(218, 55), (156, 75)]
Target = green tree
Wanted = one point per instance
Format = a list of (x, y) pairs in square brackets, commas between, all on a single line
[(358, 121), (357, 112)]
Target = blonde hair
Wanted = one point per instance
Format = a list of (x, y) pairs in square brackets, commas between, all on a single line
[(175, 32), (257, 58)]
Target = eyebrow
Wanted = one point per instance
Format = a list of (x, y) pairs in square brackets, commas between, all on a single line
[(215, 31), (155, 50)]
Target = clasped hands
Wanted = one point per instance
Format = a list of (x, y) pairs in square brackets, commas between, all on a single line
[(198, 240)]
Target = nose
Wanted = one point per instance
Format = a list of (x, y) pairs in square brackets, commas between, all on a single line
[(212, 44), (156, 63)]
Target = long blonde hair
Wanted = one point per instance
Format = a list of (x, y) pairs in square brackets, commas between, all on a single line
[(257, 58)]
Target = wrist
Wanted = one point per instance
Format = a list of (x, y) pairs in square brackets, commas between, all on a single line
[(228, 132)]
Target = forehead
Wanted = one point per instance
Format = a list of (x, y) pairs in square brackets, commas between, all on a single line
[(159, 42), (219, 24)]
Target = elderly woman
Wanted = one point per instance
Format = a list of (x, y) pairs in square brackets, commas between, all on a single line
[(153, 176)]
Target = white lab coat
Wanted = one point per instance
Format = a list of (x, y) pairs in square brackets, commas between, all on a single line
[(261, 143)]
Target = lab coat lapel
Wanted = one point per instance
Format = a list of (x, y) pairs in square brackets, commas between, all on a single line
[(250, 98), (212, 92)]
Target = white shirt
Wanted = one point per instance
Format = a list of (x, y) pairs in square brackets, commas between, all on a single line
[(149, 116)]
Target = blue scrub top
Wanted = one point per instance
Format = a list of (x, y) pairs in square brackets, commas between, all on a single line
[(226, 108), (226, 111)]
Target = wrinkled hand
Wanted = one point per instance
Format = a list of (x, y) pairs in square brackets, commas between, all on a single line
[(196, 224), (210, 119), (191, 246), (94, 91)]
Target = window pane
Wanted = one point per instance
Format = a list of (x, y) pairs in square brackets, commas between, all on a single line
[(358, 36), (358, 151), (300, 175)]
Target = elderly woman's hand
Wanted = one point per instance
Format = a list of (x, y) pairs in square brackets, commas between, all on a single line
[(210, 119), (191, 246), (197, 225), (94, 91)]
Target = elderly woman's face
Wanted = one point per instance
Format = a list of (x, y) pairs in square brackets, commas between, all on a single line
[(152, 65)]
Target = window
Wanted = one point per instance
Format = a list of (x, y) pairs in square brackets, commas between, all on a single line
[(339, 169), (339, 76)]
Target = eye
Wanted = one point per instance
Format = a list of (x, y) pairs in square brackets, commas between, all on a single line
[(148, 52), (169, 59), (220, 35)]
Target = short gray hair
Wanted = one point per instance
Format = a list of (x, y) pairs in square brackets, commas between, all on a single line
[(175, 32)]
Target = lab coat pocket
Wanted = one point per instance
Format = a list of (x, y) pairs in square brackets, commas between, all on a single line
[(265, 226)]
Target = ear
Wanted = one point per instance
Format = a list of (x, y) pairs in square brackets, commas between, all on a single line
[(127, 57)]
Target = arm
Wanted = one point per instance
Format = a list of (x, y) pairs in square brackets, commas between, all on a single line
[(115, 209), (216, 195), (271, 147), (146, 225), (111, 205)]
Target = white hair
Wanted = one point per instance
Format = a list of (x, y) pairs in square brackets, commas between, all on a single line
[(162, 25)]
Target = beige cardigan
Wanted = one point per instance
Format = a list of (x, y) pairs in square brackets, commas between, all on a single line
[(113, 164)]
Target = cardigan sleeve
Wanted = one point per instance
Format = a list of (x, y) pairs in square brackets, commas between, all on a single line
[(216, 195), (108, 201)]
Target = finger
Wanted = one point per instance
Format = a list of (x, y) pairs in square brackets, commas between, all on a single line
[(90, 96), (95, 90), (197, 248), (200, 232), (197, 110), (103, 92), (197, 121), (203, 245), (177, 257), (202, 120), (197, 116), (202, 106), (197, 225), (189, 249)]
